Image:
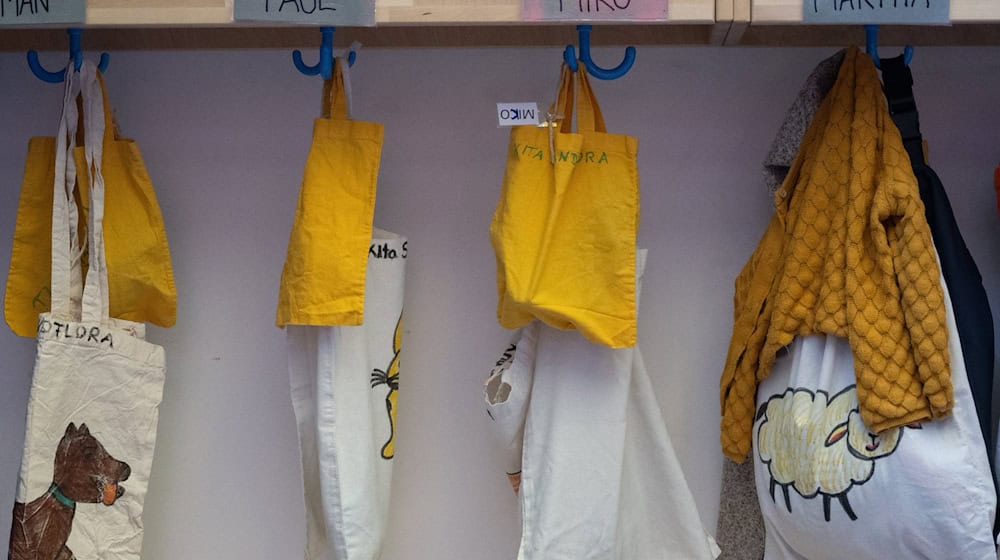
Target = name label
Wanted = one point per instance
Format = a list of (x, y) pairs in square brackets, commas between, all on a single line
[(875, 11), (595, 10), (516, 114), (66, 331), (316, 12), (34, 12)]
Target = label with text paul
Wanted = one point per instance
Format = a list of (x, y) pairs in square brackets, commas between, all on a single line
[(595, 10), (875, 11), (316, 12), (34, 12)]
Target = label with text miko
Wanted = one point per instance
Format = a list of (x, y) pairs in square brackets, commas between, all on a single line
[(594, 10), (316, 12), (875, 11), (33, 12), (516, 114)]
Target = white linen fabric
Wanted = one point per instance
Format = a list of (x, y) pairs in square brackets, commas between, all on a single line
[(829, 489), (599, 477), (96, 387), (344, 382)]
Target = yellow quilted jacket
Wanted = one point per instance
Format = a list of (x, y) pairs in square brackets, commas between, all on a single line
[(847, 253)]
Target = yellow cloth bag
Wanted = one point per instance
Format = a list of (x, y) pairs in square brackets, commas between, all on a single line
[(323, 280), (564, 230), (140, 276)]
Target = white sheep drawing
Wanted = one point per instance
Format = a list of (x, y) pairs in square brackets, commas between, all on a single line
[(819, 445)]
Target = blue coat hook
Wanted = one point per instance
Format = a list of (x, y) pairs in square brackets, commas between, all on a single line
[(871, 47), (325, 65), (74, 55), (569, 55)]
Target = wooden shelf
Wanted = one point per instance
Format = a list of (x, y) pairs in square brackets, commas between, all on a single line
[(159, 12), (234, 37), (201, 24), (207, 24), (779, 23), (391, 12), (765, 12), (843, 35)]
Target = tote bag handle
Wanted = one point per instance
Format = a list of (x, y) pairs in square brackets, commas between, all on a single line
[(589, 117), (337, 90), (582, 99), (95, 304), (66, 251), (66, 248), (110, 127)]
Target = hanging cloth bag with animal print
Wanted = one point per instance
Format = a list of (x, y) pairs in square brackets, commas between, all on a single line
[(344, 378), (97, 384), (829, 488)]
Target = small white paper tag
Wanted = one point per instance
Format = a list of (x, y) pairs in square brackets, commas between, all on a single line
[(516, 114)]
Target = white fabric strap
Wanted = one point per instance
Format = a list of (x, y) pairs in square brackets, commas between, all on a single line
[(345, 70), (65, 254), (76, 244), (95, 306)]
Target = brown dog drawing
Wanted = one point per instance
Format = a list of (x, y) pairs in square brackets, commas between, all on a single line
[(84, 472)]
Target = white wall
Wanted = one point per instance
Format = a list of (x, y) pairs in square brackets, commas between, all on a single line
[(225, 135)]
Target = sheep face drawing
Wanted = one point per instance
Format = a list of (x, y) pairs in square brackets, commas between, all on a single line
[(819, 445), (861, 442)]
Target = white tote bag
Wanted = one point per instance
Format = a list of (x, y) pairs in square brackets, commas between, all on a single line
[(829, 489), (96, 387), (508, 393), (599, 477), (344, 383)]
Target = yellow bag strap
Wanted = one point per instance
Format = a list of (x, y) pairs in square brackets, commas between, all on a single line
[(589, 118), (562, 109), (335, 94)]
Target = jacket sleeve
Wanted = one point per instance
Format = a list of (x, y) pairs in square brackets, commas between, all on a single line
[(915, 266), (737, 387)]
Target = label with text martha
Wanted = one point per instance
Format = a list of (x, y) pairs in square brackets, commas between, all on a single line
[(35, 12), (875, 11), (594, 10), (315, 12)]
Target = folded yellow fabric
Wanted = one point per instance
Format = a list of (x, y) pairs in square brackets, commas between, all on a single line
[(323, 280), (140, 276), (847, 253), (564, 230)]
